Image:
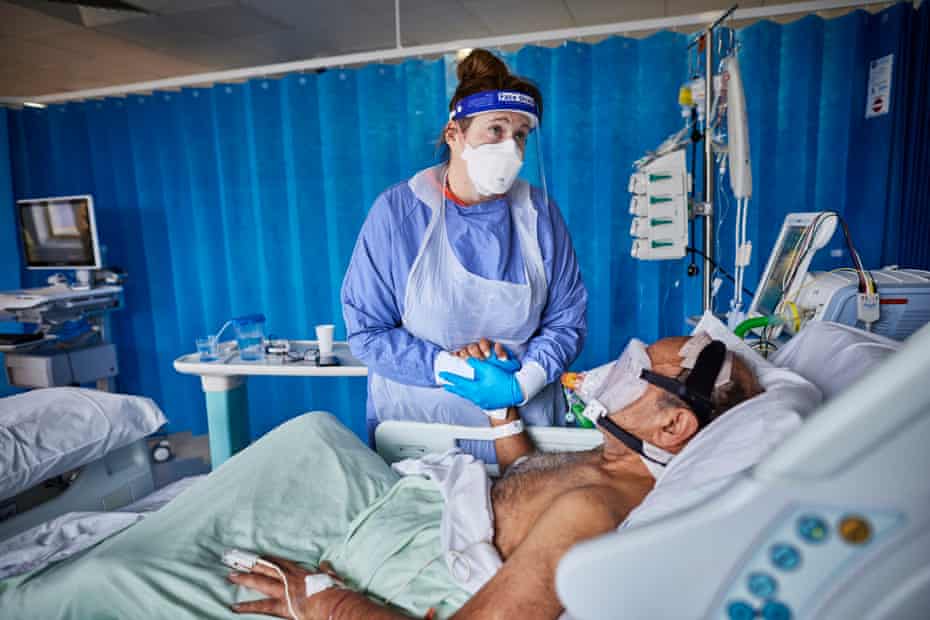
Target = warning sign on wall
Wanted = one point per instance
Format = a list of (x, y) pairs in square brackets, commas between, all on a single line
[(879, 89)]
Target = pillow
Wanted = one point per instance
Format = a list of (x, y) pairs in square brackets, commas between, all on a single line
[(731, 444), (833, 356), (719, 331), (44, 433)]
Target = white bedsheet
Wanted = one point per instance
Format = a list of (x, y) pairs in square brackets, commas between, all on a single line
[(74, 532), (467, 527)]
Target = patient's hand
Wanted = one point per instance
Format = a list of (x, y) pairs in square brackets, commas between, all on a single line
[(267, 581), (482, 350)]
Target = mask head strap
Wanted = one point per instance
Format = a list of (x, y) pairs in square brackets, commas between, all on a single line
[(697, 389), (628, 439)]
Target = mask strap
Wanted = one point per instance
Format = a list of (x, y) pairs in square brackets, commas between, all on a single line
[(701, 406), (703, 376), (697, 389), (628, 439)]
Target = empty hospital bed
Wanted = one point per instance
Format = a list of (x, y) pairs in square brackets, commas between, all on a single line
[(70, 460)]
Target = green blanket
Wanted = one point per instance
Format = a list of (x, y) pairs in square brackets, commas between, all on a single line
[(309, 490)]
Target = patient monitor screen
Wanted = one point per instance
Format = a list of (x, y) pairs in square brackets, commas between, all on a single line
[(771, 291), (57, 233)]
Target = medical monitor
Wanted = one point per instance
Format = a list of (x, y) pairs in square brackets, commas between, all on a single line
[(59, 233), (773, 286)]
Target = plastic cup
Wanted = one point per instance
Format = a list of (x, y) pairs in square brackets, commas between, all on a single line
[(250, 336), (324, 337), (207, 348)]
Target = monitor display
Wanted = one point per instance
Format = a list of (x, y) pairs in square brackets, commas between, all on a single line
[(59, 233), (771, 292)]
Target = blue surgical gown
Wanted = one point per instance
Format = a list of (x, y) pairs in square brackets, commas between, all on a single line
[(485, 241)]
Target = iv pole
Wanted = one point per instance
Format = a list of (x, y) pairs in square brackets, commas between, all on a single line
[(707, 208)]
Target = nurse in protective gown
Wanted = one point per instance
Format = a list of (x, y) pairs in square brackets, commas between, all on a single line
[(461, 252)]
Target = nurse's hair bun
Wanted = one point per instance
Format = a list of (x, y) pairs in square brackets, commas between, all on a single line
[(482, 65)]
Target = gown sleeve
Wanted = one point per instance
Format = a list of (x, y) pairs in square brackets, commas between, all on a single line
[(370, 304), (563, 325)]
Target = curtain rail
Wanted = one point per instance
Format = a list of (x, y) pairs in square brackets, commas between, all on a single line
[(664, 23)]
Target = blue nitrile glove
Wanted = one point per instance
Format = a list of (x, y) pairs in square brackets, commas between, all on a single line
[(492, 388), (511, 364)]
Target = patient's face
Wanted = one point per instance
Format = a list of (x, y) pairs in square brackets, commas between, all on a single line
[(642, 417)]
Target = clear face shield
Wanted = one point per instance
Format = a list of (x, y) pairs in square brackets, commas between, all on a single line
[(533, 170), (508, 150)]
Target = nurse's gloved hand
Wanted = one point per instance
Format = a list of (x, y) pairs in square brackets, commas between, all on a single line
[(492, 388), (491, 352)]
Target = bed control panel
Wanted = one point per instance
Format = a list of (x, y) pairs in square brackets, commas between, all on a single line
[(799, 556)]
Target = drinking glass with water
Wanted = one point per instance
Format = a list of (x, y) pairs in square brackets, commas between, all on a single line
[(250, 336), (207, 348)]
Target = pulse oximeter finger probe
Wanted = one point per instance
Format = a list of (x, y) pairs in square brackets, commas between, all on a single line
[(245, 561)]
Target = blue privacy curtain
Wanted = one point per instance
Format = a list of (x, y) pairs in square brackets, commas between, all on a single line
[(248, 197), (911, 182), (9, 253)]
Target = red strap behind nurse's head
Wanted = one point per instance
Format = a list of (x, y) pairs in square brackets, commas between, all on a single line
[(451, 196)]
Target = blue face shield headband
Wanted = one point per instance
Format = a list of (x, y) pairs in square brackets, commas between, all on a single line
[(497, 101)]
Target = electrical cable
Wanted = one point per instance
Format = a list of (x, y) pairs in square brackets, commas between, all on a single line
[(805, 243), (287, 594), (719, 268)]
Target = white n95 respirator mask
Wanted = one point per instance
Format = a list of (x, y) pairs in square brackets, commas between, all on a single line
[(493, 167)]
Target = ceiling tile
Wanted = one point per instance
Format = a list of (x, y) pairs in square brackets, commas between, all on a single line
[(56, 10), (515, 16), (334, 28), (287, 45), (689, 7), (16, 20), (592, 12), (154, 33), (44, 45), (225, 21), (166, 7), (33, 55), (435, 21)]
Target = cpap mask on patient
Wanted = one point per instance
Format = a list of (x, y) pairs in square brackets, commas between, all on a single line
[(618, 384)]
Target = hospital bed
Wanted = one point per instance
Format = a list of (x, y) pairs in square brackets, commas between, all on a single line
[(108, 483), (71, 450), (835, 523), (836, 468)]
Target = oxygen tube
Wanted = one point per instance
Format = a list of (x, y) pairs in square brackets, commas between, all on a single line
[(760, 321)]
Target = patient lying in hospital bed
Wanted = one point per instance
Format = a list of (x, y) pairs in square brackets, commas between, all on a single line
[(310, 491)]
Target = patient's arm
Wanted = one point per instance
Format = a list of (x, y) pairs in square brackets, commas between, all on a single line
[(509, 449), (527, 579)]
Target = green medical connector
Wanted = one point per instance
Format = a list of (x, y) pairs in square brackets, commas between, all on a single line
[(657, 221), (760, 321), (654, 200), (662, 244), (584, 422), (662, 176)]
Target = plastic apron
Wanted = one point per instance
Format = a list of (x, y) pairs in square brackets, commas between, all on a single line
[(451, 307)]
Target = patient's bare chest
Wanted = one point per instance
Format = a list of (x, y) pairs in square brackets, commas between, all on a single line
[(528, 489)]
